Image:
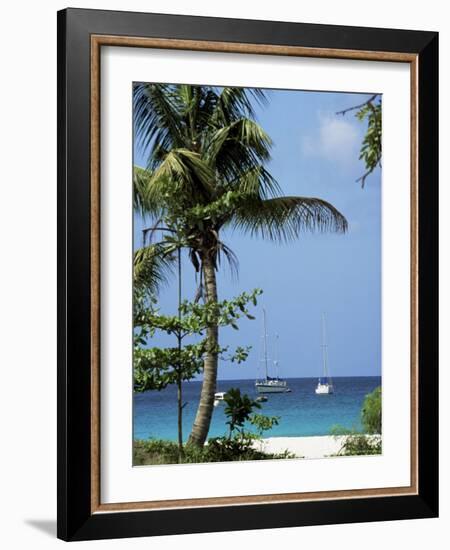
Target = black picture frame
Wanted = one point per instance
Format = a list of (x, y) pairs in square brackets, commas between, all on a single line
[(75, 518)]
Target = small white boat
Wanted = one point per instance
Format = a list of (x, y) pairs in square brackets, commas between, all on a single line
[(261, 399), (324, 387), (325, 384), (218, 397)]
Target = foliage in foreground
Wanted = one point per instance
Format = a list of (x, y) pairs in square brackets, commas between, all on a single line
[(361, 444), (237, 445), (371, 412), (355, 443), (369, 441), (218, 449)]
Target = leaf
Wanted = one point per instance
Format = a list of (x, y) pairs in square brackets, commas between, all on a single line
[(285, 218), (152, 267)]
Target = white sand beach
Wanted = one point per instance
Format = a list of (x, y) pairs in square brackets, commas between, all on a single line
[(307, 447)]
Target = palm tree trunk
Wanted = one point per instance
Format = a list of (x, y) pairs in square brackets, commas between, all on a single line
[(205, 409)]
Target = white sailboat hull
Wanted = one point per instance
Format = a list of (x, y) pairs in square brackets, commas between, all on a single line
[(324, 389), (272, 386)]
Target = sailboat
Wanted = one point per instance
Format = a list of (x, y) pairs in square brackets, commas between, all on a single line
[(269, 384), (325, 384)]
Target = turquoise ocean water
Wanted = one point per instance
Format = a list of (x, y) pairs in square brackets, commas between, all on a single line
[(302, 412)]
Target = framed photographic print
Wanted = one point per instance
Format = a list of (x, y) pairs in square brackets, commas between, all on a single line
[(247, 274)]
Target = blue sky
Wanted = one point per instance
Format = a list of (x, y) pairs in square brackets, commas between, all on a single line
[(315, 153)]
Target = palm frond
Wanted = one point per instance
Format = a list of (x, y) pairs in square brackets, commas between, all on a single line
[(285, 218), (236, 148), (142, 198), (183, 172), (257, 182), (233, 103), (245, 133), (152, 266), (230, 256), (157, 118)]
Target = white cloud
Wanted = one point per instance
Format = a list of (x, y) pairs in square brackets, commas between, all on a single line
[(336, 139)]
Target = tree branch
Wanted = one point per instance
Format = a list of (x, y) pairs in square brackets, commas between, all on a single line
[(363, 178), (368, 102)]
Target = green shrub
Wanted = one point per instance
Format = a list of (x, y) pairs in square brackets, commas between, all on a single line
[(218, 449), (155, 451), (360, 444), (238, 408), (366, 443), (371, 412)]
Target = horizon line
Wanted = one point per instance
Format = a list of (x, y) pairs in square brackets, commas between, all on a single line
[(299, 377)]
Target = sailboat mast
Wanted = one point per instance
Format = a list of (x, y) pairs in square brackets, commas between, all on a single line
[(265, 343), (275, 353), (324, 348)]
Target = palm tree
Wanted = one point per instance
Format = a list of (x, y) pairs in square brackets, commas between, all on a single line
[(206, 173)]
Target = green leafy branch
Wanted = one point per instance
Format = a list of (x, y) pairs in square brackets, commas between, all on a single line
[(155, 368), (195, 317), (371, 147)]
